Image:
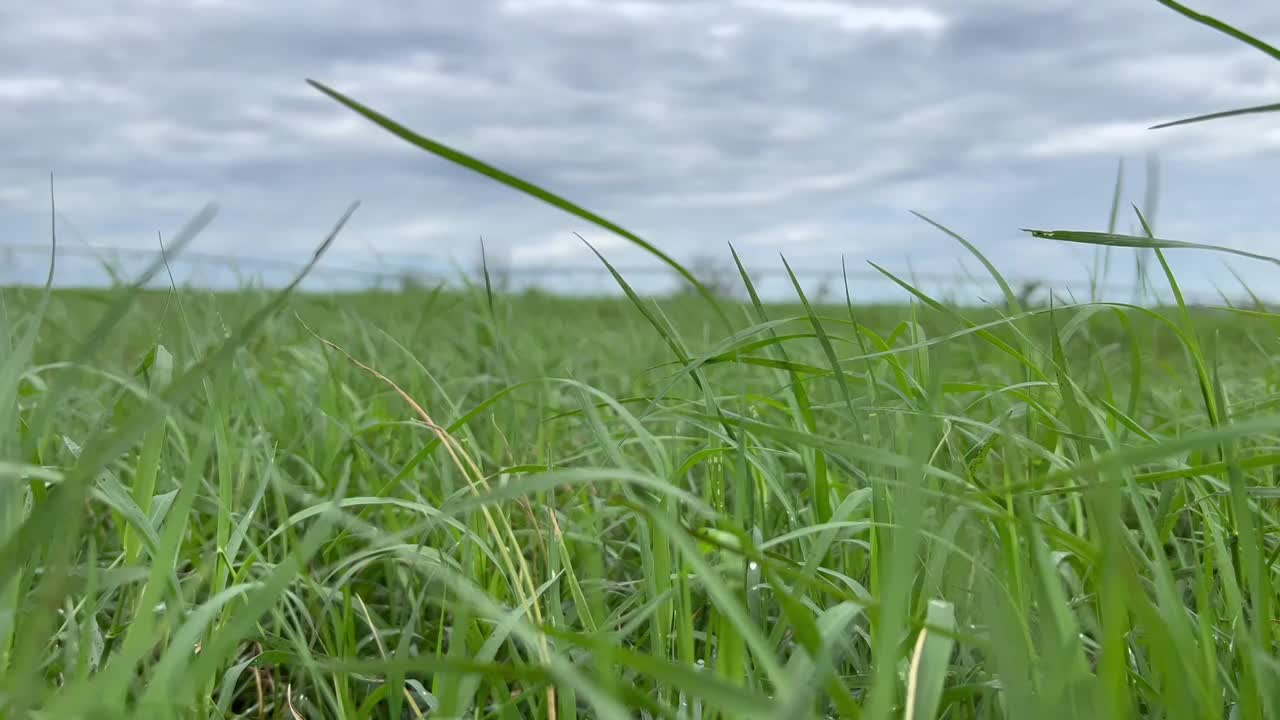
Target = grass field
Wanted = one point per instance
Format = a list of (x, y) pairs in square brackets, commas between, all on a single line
[(461, 504), (451, 504)]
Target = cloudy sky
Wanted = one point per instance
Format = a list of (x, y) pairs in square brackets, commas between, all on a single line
[(805, 127)]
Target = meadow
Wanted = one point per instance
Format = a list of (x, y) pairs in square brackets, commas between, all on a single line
[(458, 503), (451, 503)]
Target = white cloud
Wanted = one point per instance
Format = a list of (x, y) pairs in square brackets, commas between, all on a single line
[(764, 190), (25, 89), (855, 18), (420, 73), (160, 138), (628, 9), (725, 30), (425, 228), (788, 235), (15, 196), (1107, 138), (565, 246), (1243, 76), (702, 121), (802, 124), (86, 28), (1206, 142)]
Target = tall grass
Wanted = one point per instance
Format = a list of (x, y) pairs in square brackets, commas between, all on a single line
[(467, 504)]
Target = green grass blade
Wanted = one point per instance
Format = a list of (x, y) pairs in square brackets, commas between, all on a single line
[(471, 163), (1254, 110), (1134, 241), (929, 663), (1222, 27)]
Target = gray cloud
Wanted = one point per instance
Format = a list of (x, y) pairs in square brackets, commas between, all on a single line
[(808, 127)]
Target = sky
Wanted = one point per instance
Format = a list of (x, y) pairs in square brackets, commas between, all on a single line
[(809, 129)]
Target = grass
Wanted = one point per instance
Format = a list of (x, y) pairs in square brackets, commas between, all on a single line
[(462, 504)]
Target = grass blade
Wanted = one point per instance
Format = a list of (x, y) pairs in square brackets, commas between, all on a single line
[(1255, 110), (1135, 241), (1222, 27), (476, 165)]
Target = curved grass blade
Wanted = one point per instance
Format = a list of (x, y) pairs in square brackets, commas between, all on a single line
[(827, 347), (951, 312), (666, 332), (1221, 27), (1237, 34), (1009, 296), (1192, 343), (475, 164), (1135, 241), (821, 478), (1255, 110)]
